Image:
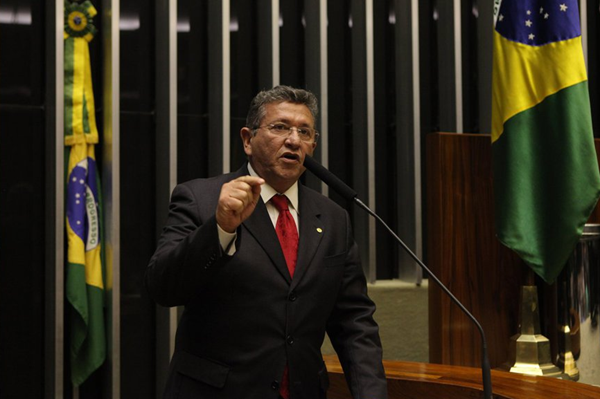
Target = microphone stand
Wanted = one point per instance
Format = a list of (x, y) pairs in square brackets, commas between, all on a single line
[(349, 194), (485, 363)]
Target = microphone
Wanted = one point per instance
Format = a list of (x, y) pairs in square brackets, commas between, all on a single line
[(329, 178), (349, 194)]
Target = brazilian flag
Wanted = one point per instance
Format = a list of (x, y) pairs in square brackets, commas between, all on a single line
[(546, 180), (84, 269)]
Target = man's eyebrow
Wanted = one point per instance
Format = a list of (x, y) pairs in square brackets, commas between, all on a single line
[(287, 122)]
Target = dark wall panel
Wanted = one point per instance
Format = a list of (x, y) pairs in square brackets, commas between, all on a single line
[(292, 54), (22, 50), (137, 57), (470, 71), (192, 90), (244, 70), (192, 147), (339, 79), (137, 245), (22, 199), (137, 196), (385, 135)]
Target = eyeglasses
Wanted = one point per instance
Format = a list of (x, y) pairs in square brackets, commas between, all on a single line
[(306, 134)]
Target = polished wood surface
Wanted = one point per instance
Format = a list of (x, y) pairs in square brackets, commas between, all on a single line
[(409, 380), (463, 251)]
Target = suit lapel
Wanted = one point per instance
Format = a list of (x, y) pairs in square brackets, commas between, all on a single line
[(311, 233), (260, 226)]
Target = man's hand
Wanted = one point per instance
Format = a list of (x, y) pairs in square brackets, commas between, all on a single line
[(237, 201)]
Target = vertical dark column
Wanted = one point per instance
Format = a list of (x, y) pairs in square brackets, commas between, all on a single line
[(408, 144), (315, 66), (220, 132), (29, 277), (339, 91), (292, 43), (361, 161), (267, 37), (165, 164), (470, 25), (444, 20), (385, 89), (193, 134), (251, 49), (485, 40)]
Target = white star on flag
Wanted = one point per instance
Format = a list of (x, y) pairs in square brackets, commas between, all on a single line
[(563, 7)]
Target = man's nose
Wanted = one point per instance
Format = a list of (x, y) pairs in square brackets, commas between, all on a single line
[(293, 137)]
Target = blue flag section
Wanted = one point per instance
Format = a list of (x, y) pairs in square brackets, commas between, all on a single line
[(82, 203), (535, 22)]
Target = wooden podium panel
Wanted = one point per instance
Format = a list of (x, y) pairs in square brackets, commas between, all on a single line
[(409, 380), (463, 251)]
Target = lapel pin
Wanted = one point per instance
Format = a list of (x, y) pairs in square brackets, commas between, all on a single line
[(319, 230)]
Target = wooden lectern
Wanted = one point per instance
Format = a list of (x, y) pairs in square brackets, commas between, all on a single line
[(409, 380), (464, 253)]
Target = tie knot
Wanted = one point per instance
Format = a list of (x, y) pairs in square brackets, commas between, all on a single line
[(280, 202)]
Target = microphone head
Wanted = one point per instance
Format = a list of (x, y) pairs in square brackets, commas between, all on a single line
[(329, 178)]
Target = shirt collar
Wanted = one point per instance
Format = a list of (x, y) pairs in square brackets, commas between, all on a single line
[(267, 192)]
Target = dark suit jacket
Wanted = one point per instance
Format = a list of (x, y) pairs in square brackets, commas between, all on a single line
[(245, 318)]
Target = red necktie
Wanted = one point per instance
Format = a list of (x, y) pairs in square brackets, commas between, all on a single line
[(286, 232), (288, 239)]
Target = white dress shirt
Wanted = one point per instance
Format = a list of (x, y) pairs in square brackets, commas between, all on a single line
[(227, 240)]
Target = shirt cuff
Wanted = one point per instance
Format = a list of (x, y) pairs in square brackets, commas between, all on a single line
[(227, 241)]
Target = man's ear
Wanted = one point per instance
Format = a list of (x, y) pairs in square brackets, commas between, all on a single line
[(246, 135)]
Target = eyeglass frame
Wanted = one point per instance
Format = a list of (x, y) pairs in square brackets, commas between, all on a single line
[(271, 126)]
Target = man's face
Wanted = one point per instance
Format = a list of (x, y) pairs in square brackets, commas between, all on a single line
[(279, 159)]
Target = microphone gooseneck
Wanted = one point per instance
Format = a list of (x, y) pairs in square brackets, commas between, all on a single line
[(329, 178), (349, 194)]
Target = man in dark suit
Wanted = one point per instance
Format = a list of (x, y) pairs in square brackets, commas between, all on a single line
[(263, 277)]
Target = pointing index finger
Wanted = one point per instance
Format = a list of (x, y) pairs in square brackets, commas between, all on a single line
[(251, 180)]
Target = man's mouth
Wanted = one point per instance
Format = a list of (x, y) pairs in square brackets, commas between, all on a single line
[(291, 157)]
